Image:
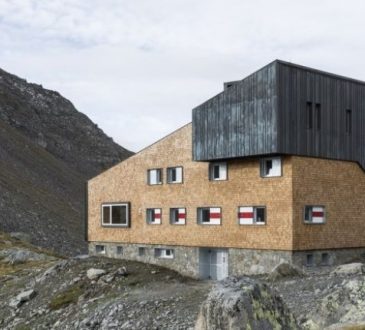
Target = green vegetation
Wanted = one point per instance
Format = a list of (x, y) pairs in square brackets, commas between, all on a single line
[(67, 297)]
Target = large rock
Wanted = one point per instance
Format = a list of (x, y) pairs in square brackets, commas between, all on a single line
[(245, 303), (94, 273), (18, 256), (349, 269), (21, 236), (284, 270), (22, 298)]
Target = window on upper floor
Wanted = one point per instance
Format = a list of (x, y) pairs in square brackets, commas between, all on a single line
[(153, 216), (218, 171), (164, 253), (154, 176), (251, 215), (270, 167), (209, 215), (175, 174), (177, 216), (348, 121), (115, 214), (314, 214)]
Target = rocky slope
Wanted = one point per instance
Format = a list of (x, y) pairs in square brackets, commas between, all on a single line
[(47, 152)]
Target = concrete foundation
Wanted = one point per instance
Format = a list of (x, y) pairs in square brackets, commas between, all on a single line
[(185, 260)]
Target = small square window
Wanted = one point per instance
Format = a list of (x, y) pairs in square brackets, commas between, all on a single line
[(209, 215), (252, 215), (100, 249), (164, 253), (119, 250), (310, 260), (175, 175), (154, 176), (314, 214), (177, 216), (218, 171), (141, 251), (270, 167), (153, 216)]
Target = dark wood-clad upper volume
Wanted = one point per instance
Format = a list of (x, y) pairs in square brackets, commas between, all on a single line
[(283, 109)]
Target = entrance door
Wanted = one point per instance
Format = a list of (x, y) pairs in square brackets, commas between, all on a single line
[(213, 263)]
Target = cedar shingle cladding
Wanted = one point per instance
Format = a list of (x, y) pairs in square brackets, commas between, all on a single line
[(265, 113)]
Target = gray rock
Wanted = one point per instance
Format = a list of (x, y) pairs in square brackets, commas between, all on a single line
[(284, 270), (94, 273), (122, 271), (21, 236), (349, 269), (18, 256), (22, 298), (245, 303)]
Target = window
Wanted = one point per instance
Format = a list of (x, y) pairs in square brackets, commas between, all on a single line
[(252, 215), (141, 251), (209, 215), (164, 253), (314, 214), (309, 113), (177, 216), (153, 216), (318, 116), (325, 259), (310, 260), (175, 174), (115, 215), (270, 167), (218, 171), (120, 250), (348, 121), (100, 249), (154, 176)]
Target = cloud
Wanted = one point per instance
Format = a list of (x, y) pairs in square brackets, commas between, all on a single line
[(137, 68)]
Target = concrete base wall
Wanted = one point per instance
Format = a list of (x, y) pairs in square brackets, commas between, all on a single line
[(240, 261)]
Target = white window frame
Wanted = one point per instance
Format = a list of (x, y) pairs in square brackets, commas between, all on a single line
[(164, 253), (100, 249), (150, 216), (110, 206), (152, 174), (212, 221), (243, 220), (179, 220), (179, 174), (314, 220), (223, 171), (275, 172)]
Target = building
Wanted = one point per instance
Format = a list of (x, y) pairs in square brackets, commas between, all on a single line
[(269, 170)]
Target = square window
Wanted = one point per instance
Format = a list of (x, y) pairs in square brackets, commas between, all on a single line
[(153, 216), (251, 215), (175, 175), (218, 171), (100, 249), (119, 250), (177, 216), (141, 251), (310, 260), (314, 214), (154, 176), (270, 167), (115, 214), (209, 215)]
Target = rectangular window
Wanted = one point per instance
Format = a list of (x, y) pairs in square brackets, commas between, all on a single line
[(209, 215), (119, 250), (154, 176), (310, 260), (348, 121), (141, 251), (100, 249), (177, 216), (153, 216), (325, 259), (270, 167), (175, 174), (251, 215), (309, 111), (318, 116), (115, 215), (314, 214), (164, 253), (217, 171)]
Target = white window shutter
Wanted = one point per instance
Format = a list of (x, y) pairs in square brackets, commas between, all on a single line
[(246, 215), (318, 214), (179, 174), (215, 215), (153, 177), (182, 216), (157, 218), (276, 167), (223, 171)]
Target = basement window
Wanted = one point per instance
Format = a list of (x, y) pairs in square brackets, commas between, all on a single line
[(115, 215), (164, 253), (119, 250), (251, 215), (270, 167), (177, 216), (154, 176), (217, 171), (310, 260), (314, 214), (325, 259), (175, 174), (100, 249), (141, 251), (153, 216), (209, 215)]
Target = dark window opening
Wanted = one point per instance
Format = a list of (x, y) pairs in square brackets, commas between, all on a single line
[(318, 115), (325, 258), (348, 121), (216, 172), (260, 214), (205, 217), (268, 166), (310, 260), (309, 115), (119, 250), (141, 251)]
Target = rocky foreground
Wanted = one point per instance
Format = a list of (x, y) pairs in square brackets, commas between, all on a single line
[(39, 290)]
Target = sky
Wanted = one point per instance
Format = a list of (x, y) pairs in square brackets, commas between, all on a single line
[(138, 68)]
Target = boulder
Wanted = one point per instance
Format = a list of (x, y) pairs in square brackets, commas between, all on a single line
[(244, 303), (22, 298), (349, 269), (122, 271), (94, 273), (284, 270), (21, 236), (18, 256)]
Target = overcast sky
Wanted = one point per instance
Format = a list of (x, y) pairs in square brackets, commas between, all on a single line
[(138, 67)]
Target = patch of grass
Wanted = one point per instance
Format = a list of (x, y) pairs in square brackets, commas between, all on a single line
[(355, 327), (67, 297), (23, 326)]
